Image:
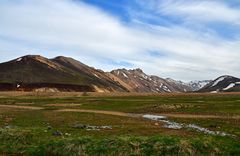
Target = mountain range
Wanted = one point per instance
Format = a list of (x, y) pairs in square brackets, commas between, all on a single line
[(37, 73)]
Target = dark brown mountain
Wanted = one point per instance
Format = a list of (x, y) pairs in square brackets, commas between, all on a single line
[(224, 83), (34, 72)]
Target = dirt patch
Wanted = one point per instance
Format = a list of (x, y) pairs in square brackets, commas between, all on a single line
[(100, 112), (63, 105), (21, 107)]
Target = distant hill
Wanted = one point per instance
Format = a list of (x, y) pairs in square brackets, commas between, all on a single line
[(224, 83)]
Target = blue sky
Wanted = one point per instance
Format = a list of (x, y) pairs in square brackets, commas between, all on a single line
[(181, 39)]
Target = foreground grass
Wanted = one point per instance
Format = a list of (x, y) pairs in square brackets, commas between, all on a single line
[(23, 143)]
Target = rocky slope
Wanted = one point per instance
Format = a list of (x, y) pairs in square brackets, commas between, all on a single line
[(137, 81)]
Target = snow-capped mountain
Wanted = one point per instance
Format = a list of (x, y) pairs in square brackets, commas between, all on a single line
[(182, 86), (196, 85), (224, 83)]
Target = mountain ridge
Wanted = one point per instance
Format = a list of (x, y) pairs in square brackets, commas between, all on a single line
[(36, 73)]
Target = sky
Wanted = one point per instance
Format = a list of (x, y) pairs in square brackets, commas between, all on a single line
[(181, 39)]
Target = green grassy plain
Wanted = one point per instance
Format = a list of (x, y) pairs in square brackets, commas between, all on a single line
[(30, 131)]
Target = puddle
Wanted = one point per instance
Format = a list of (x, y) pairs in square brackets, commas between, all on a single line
[(154, 117), (175, 125)]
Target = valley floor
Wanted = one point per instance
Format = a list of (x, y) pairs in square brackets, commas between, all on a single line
[(116, 124)]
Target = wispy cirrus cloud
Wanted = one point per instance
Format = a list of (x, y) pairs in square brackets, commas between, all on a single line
[(199, 10), (202, 11), (162, 38), (212, 16)]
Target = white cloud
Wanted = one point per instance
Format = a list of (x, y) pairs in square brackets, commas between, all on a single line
[(195, 10), (64, 27), (204, 10)]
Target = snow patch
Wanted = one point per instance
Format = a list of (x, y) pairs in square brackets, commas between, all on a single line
[(229, 86), (166, 89), (19, 59), (96, 76), (154, 117), (218, 80), (161, 85), (125, 75), (196, 85), (144, 76), (202, 84)]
